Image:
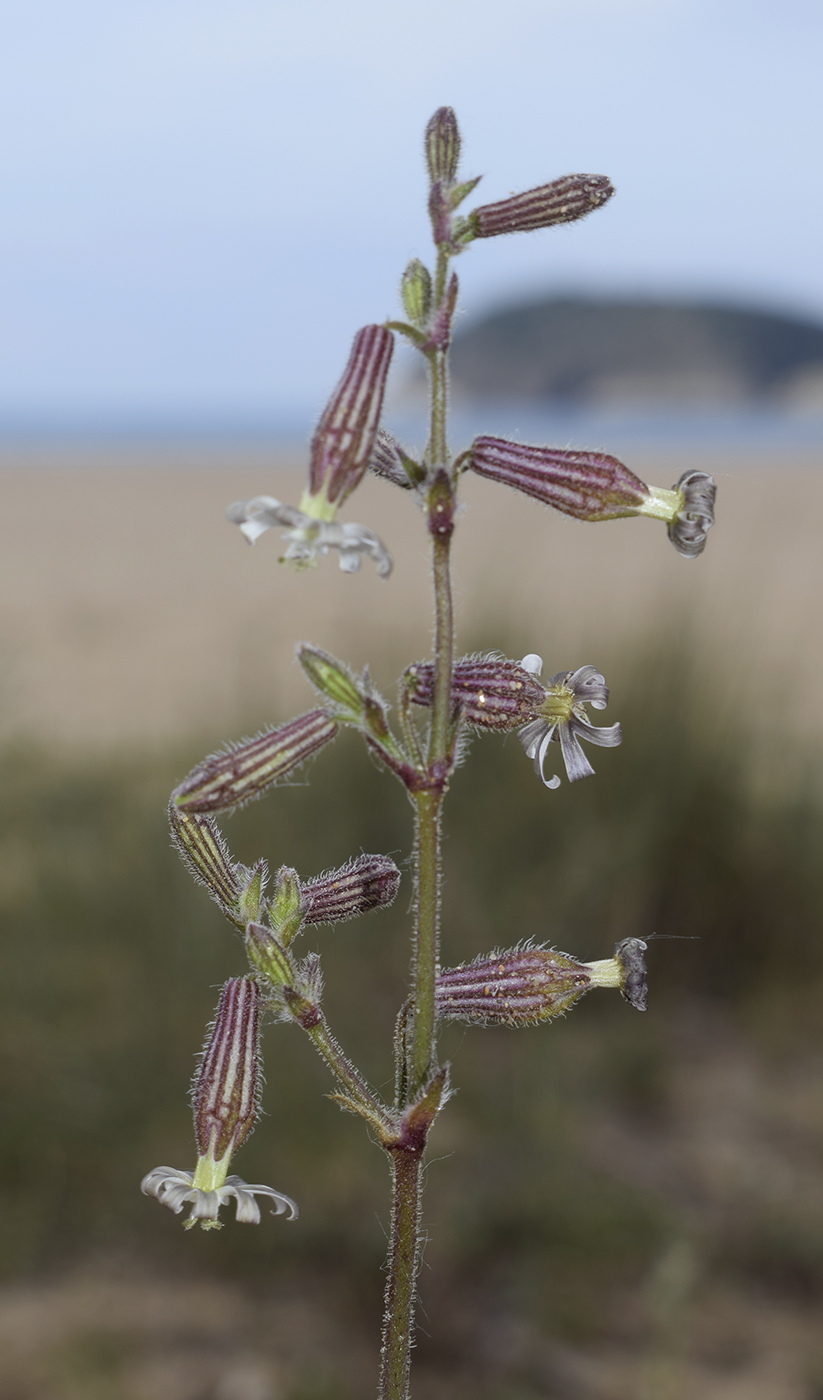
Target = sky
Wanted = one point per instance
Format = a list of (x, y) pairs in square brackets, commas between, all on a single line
[(203, 199)]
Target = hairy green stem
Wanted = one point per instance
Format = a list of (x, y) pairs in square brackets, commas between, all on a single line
[(340, 1065), (404, 1252), (426, 939), (416, 1053)]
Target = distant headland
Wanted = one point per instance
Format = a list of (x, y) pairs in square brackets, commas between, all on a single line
[(603, 352)]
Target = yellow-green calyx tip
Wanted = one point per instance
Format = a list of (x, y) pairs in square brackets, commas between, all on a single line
[(662, 504), (558, 704), (608, 972), (210, 1175), (318, 507)]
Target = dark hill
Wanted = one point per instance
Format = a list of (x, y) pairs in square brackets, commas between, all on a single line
[(586, 350)]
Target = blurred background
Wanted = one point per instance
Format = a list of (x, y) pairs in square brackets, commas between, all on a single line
[(204, 202)]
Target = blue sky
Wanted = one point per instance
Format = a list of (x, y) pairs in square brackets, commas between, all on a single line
[(203, 199)]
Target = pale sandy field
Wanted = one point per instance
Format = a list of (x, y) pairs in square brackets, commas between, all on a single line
[(132, 613)]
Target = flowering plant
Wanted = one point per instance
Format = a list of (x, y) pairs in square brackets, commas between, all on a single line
[(441, 701)]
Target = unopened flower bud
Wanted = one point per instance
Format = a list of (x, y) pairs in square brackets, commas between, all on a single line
[(269, 956), (442, 145), (593, 486), (390, 461), (334, 680), (285, 913), (226, 1088), (416, 291), (519, 987), (344, 440), (491, 691), (369, 882), (559, 202), (204, 851), (250, 899), (227, 780)]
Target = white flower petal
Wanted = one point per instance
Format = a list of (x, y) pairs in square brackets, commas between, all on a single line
[(577, 764), (540, 757), (532, 663), (174, 1189), (589, 687), (531, 734), (248, 1211), (606, 737)]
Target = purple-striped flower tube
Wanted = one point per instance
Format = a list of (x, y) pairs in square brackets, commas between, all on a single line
[(442, 146), (369, 882), (491, 691), (344, 440), (595, 486), (227, 780), (204, 851), (226, 1105), (524, 986), (341, 451), (560, 202)]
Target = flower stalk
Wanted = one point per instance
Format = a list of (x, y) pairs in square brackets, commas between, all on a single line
[(441, 701)]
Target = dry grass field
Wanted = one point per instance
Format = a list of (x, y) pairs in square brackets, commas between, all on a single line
[(132, 613), (621, 1207)]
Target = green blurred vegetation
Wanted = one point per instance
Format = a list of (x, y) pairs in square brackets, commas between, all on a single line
[(564, 1181)]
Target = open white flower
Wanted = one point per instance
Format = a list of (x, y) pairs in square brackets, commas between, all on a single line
[(309, 536), (564, 718), (175, 1188)]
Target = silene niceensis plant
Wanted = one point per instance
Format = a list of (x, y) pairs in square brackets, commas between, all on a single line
[(441, 701)]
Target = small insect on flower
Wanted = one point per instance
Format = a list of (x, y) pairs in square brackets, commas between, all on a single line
[(564, 718)]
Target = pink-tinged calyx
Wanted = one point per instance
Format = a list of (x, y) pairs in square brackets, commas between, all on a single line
[(490, 691), (226, 1090), (587, 485), (559, 202), (227, 780), (516, 987), (369, 882), (344, 440)]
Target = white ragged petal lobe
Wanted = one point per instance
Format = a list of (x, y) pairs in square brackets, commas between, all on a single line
[(174, 1189), (308, 537)]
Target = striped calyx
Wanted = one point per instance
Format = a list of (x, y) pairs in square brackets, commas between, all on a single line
[(204, 851), (587, 485), (344, 440), (559, 202), (518, 987), (491, 691), (369, 882), (226, 1089), (442, 146), (227, 780)]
